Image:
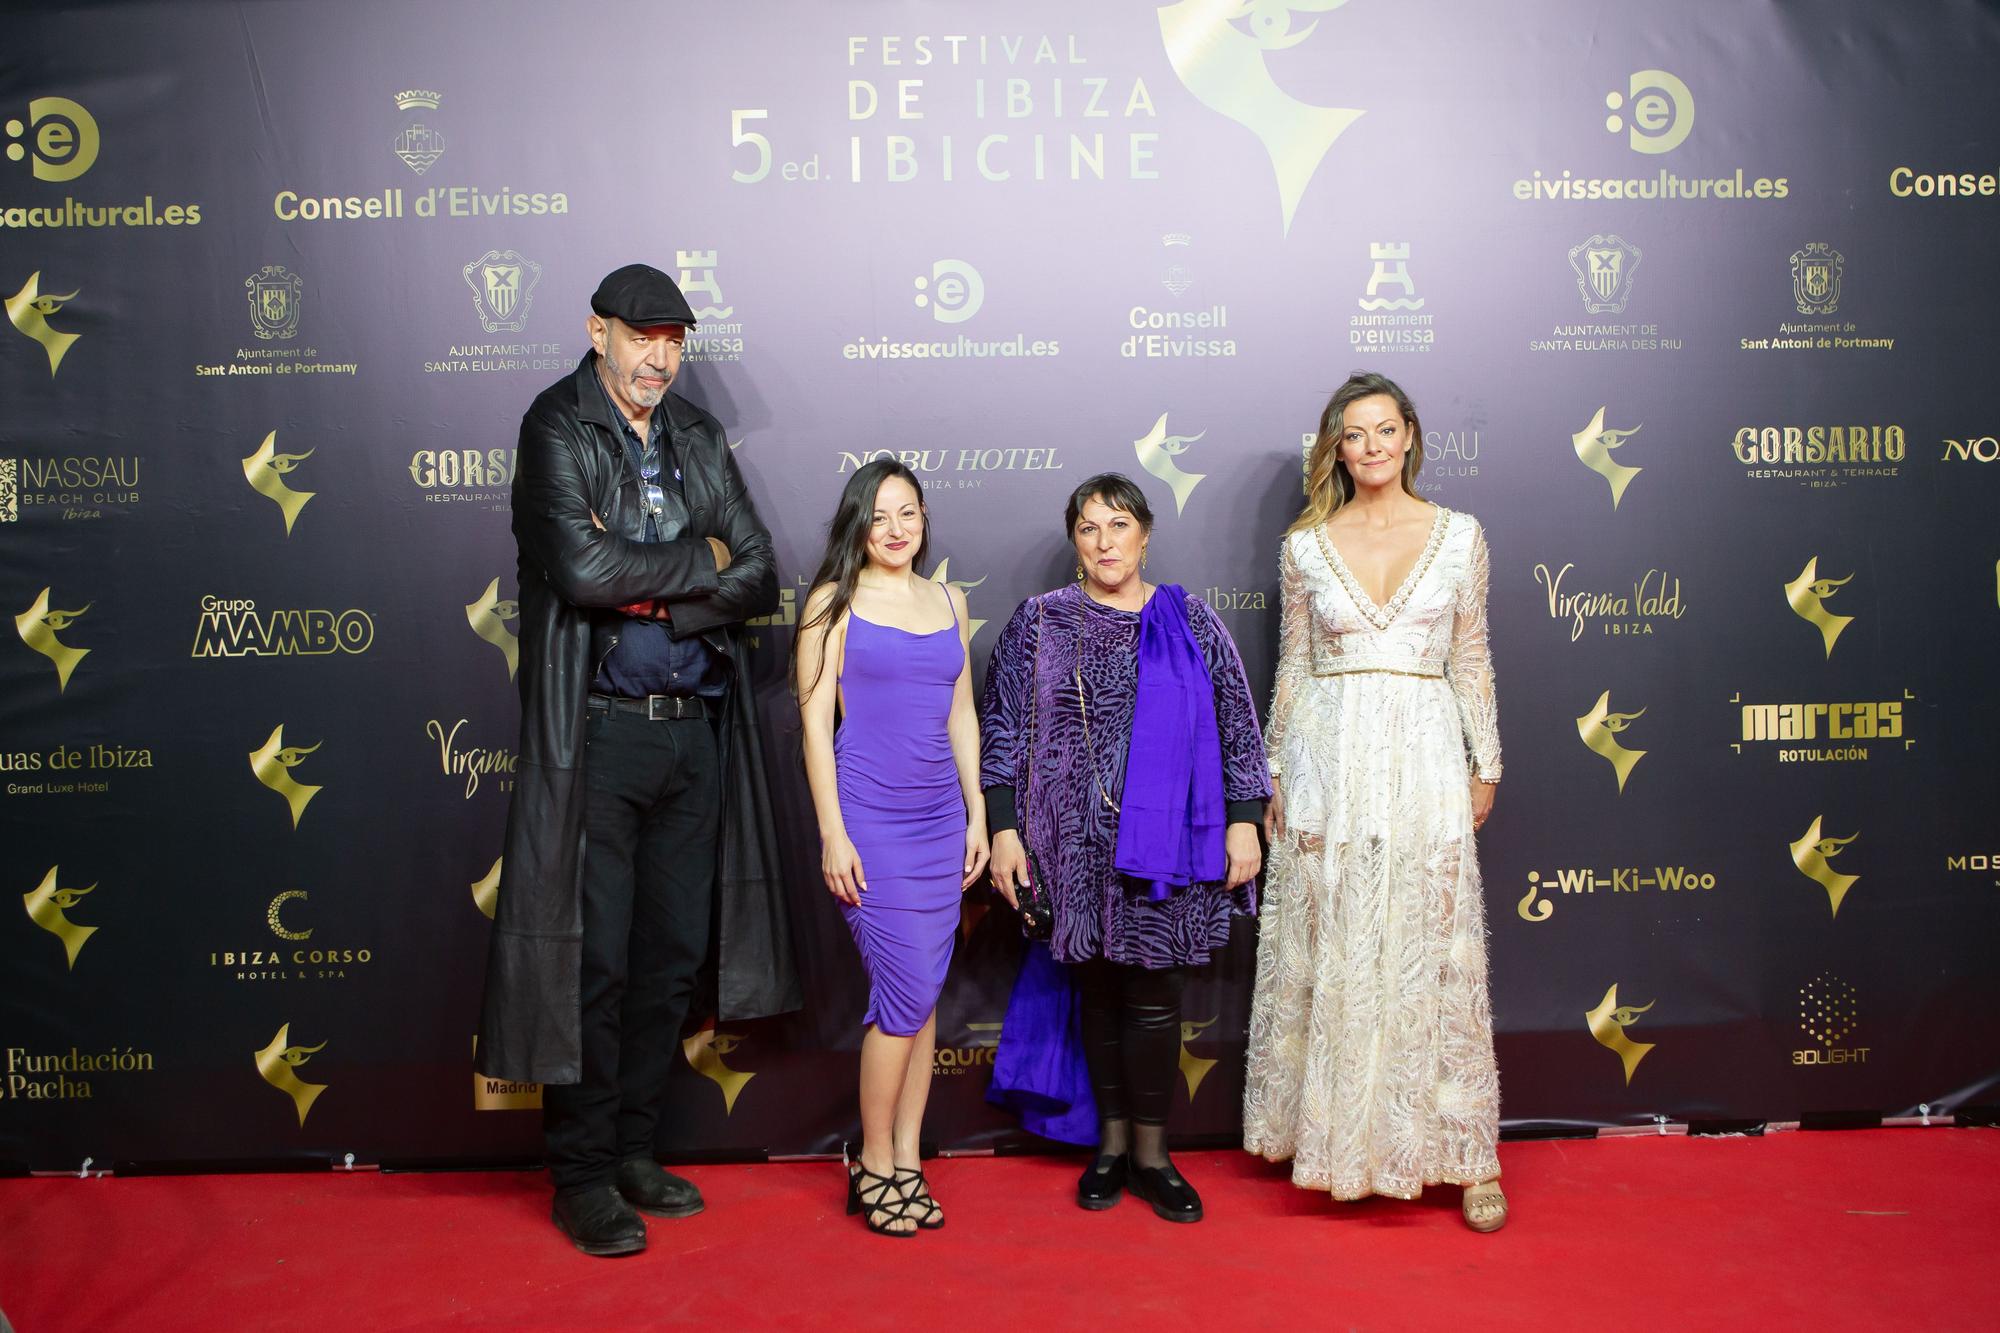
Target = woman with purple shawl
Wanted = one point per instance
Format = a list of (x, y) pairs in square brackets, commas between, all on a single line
[(1125, 777)]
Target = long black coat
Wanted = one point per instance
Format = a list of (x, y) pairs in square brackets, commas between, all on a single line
[(572, 464)]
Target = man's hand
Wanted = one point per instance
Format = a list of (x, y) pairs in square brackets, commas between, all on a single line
[(721, 553)]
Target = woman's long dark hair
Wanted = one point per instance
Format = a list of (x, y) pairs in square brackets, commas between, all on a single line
[(847, 550)]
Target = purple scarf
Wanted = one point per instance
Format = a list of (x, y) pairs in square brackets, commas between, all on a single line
[(1170, 822)]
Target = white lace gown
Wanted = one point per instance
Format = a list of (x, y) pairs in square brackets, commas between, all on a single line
[(1371, 1027)]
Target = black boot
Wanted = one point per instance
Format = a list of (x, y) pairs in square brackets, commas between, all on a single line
[(652, 1189), (1103, 1182), (598, 1221)]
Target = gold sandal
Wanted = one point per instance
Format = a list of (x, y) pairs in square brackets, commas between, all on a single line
[(1485, 1207)]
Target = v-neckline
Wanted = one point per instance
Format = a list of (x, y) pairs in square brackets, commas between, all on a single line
[(1382, 614)]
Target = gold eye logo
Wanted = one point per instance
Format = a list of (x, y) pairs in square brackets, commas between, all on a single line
[(704, 1052), (1157, 453), (1224, 67), (486, 890), (1593, 446), (488, 616), (46, 905), (1813, 855), (1599, 729), (1807, 595), (38, 627), (28, 310), (272, 763), (1193, 1068), (277, 1062), (266, 470), (1608, 1022)]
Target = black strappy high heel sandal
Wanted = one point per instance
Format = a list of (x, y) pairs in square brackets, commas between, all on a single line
[(871, 1195), (918, 1191)]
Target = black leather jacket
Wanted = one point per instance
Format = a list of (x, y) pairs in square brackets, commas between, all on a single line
[(572, 464)]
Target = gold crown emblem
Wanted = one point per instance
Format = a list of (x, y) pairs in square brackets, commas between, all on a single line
[(1608, 1022), (412, 98)]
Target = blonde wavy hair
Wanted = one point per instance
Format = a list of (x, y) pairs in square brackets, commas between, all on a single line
[(1328, 485)]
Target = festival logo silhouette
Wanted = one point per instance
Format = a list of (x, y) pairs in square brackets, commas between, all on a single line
[(488, 616), (59, 136), (1593, 445), (277, 1064), (29, 310), (48, 907), (1193, 1067), (503, 289), (1224, 67), (704, 1052), (1807, 596), (1813, 855), (1816, 272), (486, 890), (273, 762), (1606, 267), (38, 627), (275, 294), (717, 336), (942, 575), (1598, 730), (266, 469), (1608, 1022), (1158, 452)]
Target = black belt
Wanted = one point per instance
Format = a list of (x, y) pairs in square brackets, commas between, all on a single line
[(659, 707)]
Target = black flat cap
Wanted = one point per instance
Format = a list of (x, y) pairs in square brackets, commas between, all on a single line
[(642, 296)]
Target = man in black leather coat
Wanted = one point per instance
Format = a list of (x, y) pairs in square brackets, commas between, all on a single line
[(639, 837)]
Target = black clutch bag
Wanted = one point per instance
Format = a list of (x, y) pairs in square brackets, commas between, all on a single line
[(1035, 905)]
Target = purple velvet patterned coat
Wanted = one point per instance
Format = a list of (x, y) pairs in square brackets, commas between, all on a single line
[(1067, 824)]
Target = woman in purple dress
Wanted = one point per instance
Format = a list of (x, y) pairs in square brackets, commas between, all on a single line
[(1124, 767), (883, 653)]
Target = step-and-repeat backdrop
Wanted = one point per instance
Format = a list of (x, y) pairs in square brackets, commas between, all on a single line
[(1696, 303)]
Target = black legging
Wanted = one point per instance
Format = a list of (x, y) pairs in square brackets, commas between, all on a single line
[(1131, 1038)]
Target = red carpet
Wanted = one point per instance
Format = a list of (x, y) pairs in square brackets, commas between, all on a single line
[(1864, 1229)]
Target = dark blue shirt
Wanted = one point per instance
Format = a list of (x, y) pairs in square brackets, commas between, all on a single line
[(647, 659)]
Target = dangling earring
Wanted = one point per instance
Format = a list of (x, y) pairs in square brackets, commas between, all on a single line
[(1079, 573), (1142, 557)]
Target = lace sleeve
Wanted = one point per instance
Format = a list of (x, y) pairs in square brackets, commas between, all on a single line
[(1294, 626), (1470, 667)]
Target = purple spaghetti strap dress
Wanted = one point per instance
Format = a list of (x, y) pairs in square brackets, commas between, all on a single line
[(904, 812)]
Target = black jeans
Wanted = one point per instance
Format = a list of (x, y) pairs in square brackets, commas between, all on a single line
[(654, 800)]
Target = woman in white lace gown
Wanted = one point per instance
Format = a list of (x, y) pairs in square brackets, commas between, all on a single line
[(1371, 1030)]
